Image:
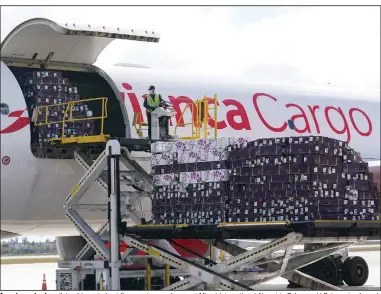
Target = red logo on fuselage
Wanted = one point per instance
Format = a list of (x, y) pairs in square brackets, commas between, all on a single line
[(237, 117), (18, 124)]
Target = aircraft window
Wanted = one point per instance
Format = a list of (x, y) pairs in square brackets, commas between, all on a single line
[(4, 109)]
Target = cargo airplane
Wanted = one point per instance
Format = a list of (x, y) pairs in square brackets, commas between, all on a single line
[(33, 190)]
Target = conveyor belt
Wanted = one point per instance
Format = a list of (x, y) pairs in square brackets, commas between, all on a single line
[(370, 229)]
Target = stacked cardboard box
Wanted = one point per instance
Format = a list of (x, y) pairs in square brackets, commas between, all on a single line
[(299, 179), (42, 88), (274, 179), (191, 179)]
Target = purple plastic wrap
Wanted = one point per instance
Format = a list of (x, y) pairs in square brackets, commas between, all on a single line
[(192, 203), (299, 179), (191, 179)]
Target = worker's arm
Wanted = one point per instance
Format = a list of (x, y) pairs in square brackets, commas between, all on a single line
[(145, 104)]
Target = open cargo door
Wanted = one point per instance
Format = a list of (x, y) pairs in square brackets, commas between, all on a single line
[(42, 41), (44, 44)]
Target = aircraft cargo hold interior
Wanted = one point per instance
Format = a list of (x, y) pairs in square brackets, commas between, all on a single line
[(54, 87)]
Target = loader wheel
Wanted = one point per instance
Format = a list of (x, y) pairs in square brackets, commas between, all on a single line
[(326, 270), (355, 271)]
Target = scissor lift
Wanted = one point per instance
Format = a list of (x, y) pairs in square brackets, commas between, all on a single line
[(244, 270)]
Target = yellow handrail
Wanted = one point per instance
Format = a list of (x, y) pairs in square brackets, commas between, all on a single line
[(69, 118), (206, 108), (202, 118), (46, 121), (195, 129)]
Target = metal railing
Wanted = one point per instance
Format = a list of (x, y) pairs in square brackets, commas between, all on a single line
[(199, 124), (200, 116), (68, 117)]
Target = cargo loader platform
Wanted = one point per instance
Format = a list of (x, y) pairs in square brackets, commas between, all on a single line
[(266, 230), (66, 151), (97, 267)]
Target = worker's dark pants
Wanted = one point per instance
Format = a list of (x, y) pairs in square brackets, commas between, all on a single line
[(149, 124)]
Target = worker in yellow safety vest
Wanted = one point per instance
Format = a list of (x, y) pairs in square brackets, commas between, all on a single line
[(152, 101)]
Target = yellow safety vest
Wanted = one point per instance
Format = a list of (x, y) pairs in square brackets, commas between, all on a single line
[(153, 102)]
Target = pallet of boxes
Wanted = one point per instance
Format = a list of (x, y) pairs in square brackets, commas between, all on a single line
[(192, 181), (47, 94), (210, 181)]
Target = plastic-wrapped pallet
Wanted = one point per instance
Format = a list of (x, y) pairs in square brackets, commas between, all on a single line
[(42, 88), (191, 180), (299, 179)]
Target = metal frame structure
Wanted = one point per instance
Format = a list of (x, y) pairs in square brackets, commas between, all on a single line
[(68, 117), (244, 270), (134, 176)]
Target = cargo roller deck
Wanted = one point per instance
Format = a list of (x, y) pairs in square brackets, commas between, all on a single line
[(68, 150), (258, 231), (107, 269)]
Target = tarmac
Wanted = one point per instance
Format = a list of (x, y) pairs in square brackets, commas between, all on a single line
[(29, 276)]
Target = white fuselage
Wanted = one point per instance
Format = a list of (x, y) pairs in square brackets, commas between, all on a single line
[(33, 190)]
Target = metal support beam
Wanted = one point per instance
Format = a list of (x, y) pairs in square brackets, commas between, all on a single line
[(309, 282), (86, 163), (192, 269), (91, 175), (87, 251), (223, 245), (146, 180), (288, 264), (296, 262), (88, 233), (96, 171), (126, 254), (213, 275), (113, 155)]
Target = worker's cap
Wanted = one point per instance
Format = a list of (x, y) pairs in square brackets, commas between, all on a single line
[(151, 87)]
